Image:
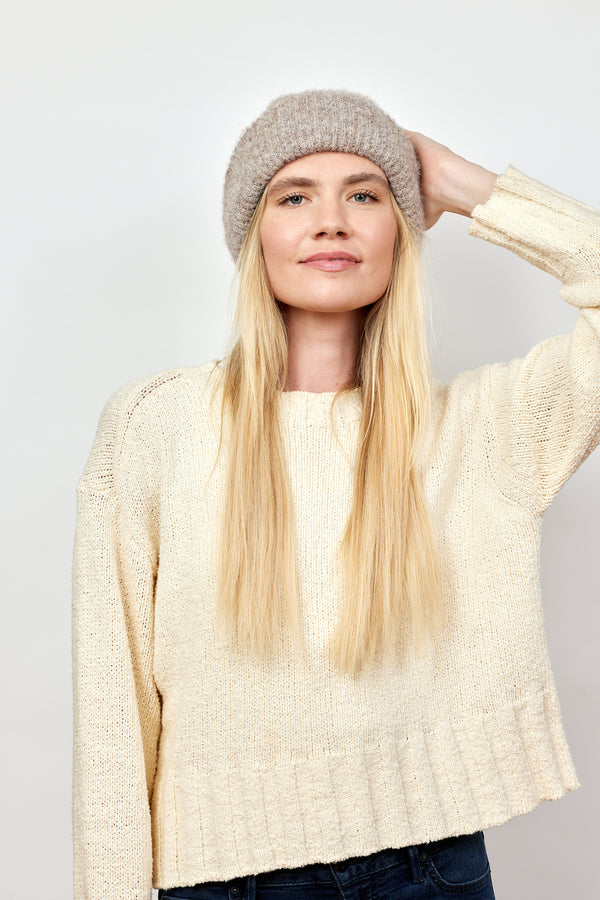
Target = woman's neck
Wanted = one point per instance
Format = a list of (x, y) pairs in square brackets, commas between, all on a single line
[(322, 348)]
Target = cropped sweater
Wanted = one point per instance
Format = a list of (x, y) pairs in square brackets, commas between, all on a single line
[(194, 762)]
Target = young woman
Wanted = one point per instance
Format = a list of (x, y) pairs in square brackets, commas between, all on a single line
[(308, 644)]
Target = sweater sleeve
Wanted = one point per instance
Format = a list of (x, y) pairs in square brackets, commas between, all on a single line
[(116, 703), (544, 409)]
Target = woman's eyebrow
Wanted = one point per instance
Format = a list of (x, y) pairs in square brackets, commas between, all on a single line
[(286, 184), (367, 176)]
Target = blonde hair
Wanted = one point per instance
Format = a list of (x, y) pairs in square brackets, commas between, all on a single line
[(390, 566)]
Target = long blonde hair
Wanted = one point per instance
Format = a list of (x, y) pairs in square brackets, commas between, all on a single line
[(392, 591)]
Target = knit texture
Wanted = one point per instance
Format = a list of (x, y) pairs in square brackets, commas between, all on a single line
[(194, 763), (296, 125)]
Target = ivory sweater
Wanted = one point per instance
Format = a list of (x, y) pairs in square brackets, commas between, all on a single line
[(194, 763)]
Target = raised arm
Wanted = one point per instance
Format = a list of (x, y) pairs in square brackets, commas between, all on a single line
[(544, 409)]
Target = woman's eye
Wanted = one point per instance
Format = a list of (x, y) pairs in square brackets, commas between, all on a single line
[(293, 199), (363, 197)]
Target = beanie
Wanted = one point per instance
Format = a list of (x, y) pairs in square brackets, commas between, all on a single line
[(297, 125)]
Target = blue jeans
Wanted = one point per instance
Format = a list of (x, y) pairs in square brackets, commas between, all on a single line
[(453, 867)]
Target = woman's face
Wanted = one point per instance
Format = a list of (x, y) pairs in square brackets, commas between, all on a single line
[(328, 232)]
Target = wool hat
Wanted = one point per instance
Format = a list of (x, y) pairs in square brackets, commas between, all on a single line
[(297, 125)]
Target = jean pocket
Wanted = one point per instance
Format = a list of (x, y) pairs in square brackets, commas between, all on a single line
[(458, 865)]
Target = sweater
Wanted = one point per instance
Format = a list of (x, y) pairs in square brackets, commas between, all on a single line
[(194, 762)]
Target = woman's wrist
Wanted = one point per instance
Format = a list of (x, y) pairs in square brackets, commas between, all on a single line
[(463, 185)]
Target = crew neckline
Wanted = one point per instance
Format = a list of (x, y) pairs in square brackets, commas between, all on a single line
[(312, 408), (318, 393)]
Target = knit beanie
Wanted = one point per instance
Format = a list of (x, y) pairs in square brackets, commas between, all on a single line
[(297, 125)]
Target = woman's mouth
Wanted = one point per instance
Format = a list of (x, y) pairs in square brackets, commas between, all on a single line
[(332, 261)]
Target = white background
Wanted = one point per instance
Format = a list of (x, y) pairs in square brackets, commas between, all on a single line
[(117, 123)]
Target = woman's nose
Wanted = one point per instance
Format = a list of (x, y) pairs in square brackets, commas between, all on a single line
[(330, 219)]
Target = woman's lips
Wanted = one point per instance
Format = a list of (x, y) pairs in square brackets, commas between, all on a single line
[(332, 261)]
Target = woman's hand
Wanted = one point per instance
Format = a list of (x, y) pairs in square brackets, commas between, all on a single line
[(449, 183)]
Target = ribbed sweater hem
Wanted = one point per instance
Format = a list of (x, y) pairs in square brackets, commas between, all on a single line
[(477, 774)]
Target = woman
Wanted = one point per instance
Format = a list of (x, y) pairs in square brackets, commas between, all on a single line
[(309, 651)]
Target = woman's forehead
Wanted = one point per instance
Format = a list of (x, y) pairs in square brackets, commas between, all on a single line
[(328, 165)]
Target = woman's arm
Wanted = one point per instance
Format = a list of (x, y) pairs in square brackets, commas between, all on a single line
[(449, 183), (117, 708), (543, 410)]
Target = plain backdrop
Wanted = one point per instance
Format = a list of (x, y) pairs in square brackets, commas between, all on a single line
[(118, 119)]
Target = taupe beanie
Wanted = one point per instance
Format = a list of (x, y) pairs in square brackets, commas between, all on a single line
[(296, 125)]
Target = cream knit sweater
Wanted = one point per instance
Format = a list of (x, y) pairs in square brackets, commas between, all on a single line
[(195, 764)]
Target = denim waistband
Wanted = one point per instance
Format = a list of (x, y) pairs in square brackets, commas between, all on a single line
[(349, 869)]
